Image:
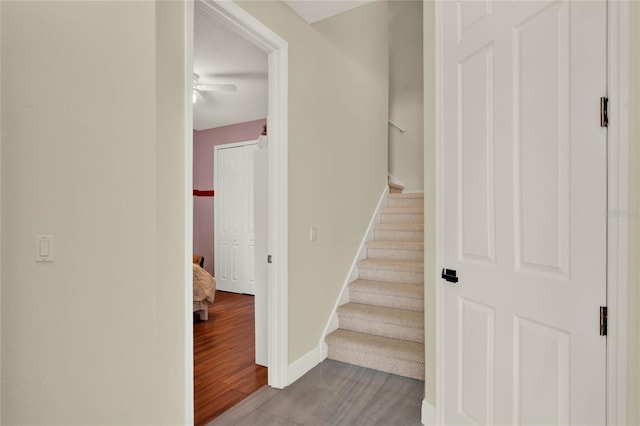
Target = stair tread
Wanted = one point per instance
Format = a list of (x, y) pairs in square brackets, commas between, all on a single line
[(382, 314), (388, 288), (396, 245), (395, 185), (391, 265), (403, 210), (407, 195), (384, 346), (399, 227)]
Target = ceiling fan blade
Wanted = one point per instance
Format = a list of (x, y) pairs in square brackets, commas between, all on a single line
[(217, 87), (202, 95)]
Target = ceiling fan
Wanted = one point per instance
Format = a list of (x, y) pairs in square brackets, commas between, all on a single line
[(198, 87)]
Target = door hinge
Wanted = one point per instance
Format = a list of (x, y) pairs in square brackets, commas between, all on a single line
[(603, 320), (604, 114)]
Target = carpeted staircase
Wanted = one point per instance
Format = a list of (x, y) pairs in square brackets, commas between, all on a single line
[(382, 327)]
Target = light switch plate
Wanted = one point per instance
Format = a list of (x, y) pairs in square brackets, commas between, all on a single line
[(44, 248)]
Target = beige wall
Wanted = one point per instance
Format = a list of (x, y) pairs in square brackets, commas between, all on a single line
[(93, 154), (634, 226), (406, 94), (338, 106), (429, 200)]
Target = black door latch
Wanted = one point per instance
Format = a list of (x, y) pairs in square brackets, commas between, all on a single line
[(450, 275)]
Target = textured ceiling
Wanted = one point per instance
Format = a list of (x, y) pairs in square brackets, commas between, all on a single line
[(222, 56)]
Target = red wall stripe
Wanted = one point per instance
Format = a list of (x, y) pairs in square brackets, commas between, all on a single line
[(199, 193)]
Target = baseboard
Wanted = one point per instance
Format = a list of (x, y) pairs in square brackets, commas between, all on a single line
[(302, 365), (332, 323), (428, 414)]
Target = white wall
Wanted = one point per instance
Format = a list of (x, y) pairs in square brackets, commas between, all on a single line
[(338, 109), (406, 93), (93, 153)]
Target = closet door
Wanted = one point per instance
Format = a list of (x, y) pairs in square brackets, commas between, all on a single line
[(234, 229)]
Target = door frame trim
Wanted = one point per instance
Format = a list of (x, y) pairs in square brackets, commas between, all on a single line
[(618, 87), (237, 19), (618, 202)]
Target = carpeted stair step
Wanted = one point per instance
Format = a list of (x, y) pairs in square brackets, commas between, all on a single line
[(382, 321), (405, 200), (395, 356), (403, 215), (396, 250), (399, 231), (391, 270), (388, 294)]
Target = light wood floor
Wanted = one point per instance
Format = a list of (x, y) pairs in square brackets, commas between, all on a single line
[(225, 372), (333, 393)]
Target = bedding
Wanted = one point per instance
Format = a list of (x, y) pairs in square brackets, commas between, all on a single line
[(204, 285), (204, 289)]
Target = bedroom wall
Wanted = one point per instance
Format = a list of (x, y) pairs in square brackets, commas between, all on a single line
[(338, 110), (93, 152), (204, 142), (405, 94)]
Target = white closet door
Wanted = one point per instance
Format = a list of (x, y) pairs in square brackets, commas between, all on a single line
[(524, 190), (234, 227)]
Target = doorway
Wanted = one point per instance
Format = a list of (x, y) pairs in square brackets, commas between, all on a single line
[(237, 19)]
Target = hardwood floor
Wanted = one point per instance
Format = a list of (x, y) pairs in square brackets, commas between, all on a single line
[(225, 372), (333, 393)]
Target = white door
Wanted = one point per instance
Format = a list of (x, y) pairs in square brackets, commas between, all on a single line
[(234, 226), (524, 214)]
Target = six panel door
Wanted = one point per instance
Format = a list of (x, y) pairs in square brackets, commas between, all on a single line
[(524, 191)]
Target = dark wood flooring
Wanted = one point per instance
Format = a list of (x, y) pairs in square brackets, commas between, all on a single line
[(225, 372)]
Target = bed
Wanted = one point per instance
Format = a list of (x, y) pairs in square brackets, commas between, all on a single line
[(204, 289)]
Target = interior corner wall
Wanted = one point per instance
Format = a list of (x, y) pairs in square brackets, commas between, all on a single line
[(337, 151), (406, 93), (633, 356), (429, 68), (204, 142), (92, 155)]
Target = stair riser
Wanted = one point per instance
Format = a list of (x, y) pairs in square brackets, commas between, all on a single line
[(399, 235), (391, 365), (391, 254), (370, 326), (405, 202), (402, 218), (393, 276), (387, 301)]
